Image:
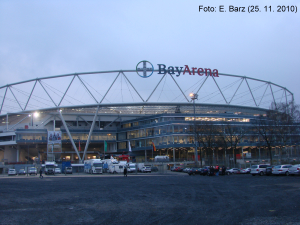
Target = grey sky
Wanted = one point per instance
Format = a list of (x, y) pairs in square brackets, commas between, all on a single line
[(45, 38)]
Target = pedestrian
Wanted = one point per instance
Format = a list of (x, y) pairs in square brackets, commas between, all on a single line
[(41, 173), (125, 171), (217, 170), (211, 171), (223, 170)]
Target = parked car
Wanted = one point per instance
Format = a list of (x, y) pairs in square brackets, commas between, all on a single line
[(186, 170), (281, 170), (204, 170), (57, 170), (269, 170), (295, 169), (233, 171), (259, 169), (194, 171), (32, 170), (12, 172), (22, 172), (244, 171), (178, 169), (146, 169), (69, 170)]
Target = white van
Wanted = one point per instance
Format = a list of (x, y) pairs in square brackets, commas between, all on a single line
[(259, 169)]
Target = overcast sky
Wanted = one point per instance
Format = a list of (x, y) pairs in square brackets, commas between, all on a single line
[(45, 38)]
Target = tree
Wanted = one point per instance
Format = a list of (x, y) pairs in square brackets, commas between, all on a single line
[(233, 135), (206, 133), (265, 127), (285, 117)]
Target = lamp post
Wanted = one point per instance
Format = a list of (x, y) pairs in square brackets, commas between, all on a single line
[(194, 97)]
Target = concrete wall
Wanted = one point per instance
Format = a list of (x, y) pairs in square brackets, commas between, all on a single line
[(10, 153)]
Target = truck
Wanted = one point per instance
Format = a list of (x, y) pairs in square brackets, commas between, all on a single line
[(50, 167), (140, 166), (93, 166), (131, 167), (116, 168)]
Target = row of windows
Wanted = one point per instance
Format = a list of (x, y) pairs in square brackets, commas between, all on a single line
[(164, 119), (216, 119), (161, 130), (152, 121), (158, 141), (43, 137)]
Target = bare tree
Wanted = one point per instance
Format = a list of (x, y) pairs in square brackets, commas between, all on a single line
[(265, 127), (285, 118), (233, 135), (206, 133)]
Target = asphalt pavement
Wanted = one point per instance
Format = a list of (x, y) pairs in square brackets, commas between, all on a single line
[(171, 198)]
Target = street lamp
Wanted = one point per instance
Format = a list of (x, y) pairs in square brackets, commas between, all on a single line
[(193, 97)]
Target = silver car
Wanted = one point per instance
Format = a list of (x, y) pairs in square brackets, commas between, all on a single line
[(12, 172), (258, 169), (295, 170), (281, 170), (32, 170)]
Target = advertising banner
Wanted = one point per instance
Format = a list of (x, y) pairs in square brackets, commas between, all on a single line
[(54, 142), (54, 137)]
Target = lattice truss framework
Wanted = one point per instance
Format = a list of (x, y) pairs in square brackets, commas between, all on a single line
[(109, 87)]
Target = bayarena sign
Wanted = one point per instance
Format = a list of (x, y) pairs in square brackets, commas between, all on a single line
[(147, 70)]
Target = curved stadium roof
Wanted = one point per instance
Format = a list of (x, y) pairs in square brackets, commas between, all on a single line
[(122, 89)]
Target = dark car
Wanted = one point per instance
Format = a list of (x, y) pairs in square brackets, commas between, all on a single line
[(194, 171), (69, 170), (22, 172), (269, 170), (178, 169), (204, 171)]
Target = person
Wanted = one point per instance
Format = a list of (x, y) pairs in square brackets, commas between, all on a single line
[(41, 173), (211, 171), (217, 169), (223, 170), (125, 171)]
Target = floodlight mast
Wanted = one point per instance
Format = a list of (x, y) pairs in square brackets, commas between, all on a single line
[(194, 97)]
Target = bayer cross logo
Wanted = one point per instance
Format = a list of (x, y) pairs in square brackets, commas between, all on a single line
[(144, 69)]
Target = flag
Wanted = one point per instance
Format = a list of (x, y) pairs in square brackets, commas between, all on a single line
[(105, 146), (153, 147), (129, 146), (79, 149)]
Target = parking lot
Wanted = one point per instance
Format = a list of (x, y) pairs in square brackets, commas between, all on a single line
[(172, 198)]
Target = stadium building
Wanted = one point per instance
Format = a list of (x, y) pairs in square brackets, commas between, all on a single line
[(142, 112)]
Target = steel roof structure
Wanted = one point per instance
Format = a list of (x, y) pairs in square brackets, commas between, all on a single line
[(126, 88)]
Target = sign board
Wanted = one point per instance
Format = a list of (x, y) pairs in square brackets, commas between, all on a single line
[(54, 137), (54, 142)]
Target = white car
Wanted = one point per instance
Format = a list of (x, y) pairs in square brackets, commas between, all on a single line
[(146, 169), (57, 171), (12, 172), (247, 170), (259, 169), (295, 170), (32, 170), (233, 170), (281, 170)]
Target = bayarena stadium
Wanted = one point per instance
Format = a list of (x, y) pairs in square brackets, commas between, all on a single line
[(143, 113)]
